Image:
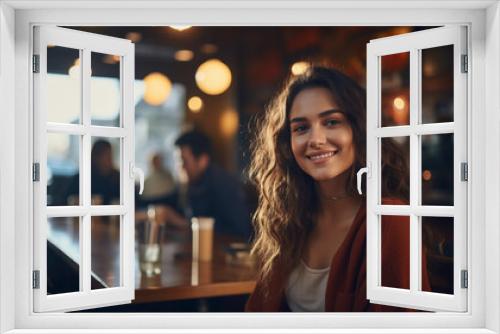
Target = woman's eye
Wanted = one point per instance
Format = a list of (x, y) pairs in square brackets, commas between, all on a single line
[(332, 122), (300, 128)]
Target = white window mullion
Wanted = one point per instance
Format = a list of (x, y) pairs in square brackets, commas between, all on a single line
[(127, 221), (85, 180), (65, 211), (106, 131), (419, 210), (420, 129), (373, 175), (414, 168), (107, 210), (71, 129)]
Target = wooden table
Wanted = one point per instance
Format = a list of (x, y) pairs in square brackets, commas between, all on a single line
[(180, 277)]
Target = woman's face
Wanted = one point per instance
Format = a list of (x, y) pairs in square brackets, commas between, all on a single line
[(321, 136)]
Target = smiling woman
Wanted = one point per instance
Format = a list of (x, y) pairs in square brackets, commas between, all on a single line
[(311, 222)]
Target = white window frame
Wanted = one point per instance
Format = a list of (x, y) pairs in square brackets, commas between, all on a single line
[(16, 216), (86, 43), (414, 44)]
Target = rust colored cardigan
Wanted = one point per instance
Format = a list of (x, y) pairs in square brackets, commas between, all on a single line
[(346, 287)]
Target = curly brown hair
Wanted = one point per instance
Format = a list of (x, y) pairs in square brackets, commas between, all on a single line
[(288, 203)]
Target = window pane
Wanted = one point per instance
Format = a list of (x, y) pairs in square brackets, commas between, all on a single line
[(105, 236), (437, 246), (395, 251), (395, 167), (105, 99), (63, 169), (105, 171), (63, 255), (395, 89), (437, 169), (437, 84), (64, 85)]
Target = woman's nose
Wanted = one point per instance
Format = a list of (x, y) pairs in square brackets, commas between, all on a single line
[(318, 136)]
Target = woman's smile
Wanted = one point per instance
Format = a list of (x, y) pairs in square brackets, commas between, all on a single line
[(321, 157)]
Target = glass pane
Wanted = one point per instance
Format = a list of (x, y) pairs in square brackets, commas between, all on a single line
[(63, 255), (105, 171), (437, 256), (437, 84), (395, 240), (105, 244), (437, 169), (105, 99), (64, 85), (63, 169), (395, 168), (395, 89)]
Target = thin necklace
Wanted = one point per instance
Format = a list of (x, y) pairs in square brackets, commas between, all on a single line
[(336, 198)]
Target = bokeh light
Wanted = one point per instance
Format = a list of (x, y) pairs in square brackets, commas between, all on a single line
[(213, 77), (157, 88), (399, 103), (183, 55), (195, 104), (229, 121)]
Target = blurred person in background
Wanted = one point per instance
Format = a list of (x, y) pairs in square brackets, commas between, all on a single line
[(211, 191), (159, 182), (105, 178)]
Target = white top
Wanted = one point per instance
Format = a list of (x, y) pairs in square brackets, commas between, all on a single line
[(306, 288)]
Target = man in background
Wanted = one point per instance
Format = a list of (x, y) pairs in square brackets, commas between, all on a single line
[(211, 191)]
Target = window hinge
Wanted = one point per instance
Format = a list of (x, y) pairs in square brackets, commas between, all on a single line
[(36, 172), (464, 171), (36, 63), (465, 64), (465, 279), (36, 279)]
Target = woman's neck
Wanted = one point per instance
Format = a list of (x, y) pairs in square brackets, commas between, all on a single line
[(336, 205)]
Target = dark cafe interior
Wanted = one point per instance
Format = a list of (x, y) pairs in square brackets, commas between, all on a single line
[(192, 139)]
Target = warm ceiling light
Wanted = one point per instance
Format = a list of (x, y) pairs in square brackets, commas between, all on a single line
[(195, 104), (209, 48), (300, 67), (213, 77), (157, 88), (229, 123), (399, 103), (111, 59), (180, 28), (184, 55), (133, 36)]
